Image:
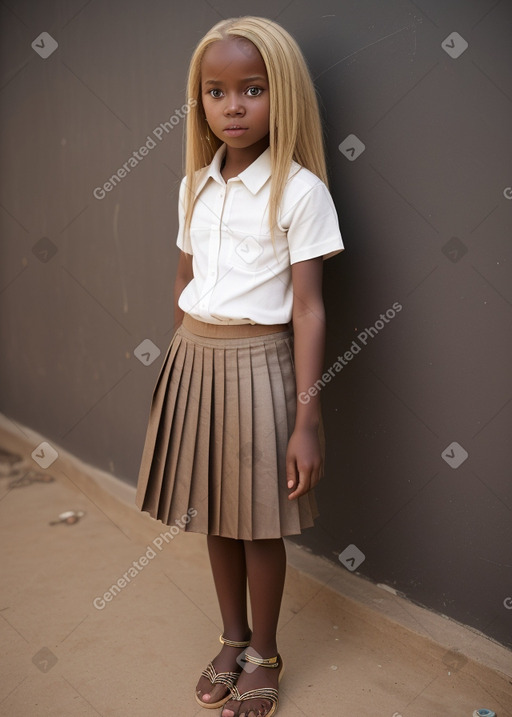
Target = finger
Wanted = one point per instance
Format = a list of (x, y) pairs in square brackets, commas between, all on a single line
[(291, 473), (302, 486)]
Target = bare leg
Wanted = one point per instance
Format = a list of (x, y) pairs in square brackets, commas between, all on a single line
[(227, 559), (266, 571)]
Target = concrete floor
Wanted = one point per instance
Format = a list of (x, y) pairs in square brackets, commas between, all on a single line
[(350, 647)]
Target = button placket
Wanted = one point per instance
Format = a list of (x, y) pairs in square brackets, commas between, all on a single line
[(214, 249)]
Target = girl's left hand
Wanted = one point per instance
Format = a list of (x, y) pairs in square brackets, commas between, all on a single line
[(304, 466)]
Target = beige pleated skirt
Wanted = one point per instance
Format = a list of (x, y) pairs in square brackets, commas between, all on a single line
[(222, 412)]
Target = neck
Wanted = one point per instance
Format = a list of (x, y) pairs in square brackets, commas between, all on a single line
[(236, 160)]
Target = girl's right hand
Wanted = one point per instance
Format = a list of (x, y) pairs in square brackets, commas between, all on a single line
[(304, 465)]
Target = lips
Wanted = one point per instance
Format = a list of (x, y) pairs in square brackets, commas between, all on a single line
[(235, 130)]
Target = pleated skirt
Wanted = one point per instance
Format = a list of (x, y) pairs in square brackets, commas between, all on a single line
[(222, 412)]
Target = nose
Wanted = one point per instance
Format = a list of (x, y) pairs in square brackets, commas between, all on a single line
[(233, 105)]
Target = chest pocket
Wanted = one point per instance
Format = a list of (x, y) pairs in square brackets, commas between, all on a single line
[(254, 253)]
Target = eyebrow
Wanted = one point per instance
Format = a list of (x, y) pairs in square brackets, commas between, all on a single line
[(246, 79)]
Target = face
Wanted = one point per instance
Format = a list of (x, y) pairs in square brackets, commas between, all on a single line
[(234, 92)]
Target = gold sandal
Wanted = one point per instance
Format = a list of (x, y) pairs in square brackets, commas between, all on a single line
[(225, 678), (268, 693)]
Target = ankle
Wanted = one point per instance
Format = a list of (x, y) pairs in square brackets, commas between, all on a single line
[(262, 649), (237, 634)]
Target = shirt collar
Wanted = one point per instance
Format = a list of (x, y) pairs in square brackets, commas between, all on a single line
[(253, 177)]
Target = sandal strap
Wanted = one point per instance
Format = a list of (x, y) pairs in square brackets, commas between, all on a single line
[(234, 643), (269, 693), (263, 661), (225, 678)]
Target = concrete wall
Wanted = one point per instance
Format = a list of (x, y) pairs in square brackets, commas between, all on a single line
[(417, 493)]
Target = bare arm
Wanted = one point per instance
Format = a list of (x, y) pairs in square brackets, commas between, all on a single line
[(184, 275), (303, 461)]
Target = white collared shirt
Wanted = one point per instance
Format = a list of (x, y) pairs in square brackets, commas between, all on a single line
[(238, 278)]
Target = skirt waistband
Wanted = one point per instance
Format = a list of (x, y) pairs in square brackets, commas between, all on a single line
[(227, 331)]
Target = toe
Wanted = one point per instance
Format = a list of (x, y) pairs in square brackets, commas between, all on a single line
[(256, 710), (215, 693), (253, 711)]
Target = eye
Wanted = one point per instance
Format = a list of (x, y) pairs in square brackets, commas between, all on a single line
[(211, 92), (254, 91)]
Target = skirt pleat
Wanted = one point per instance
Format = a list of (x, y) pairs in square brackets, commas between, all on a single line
[(214, 456), (216, 443), (199, 489), (245, 442), (183, 451), (159, 430), (173, 436), (265, 458)]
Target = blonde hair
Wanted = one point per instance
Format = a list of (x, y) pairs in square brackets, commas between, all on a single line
[(295, 125)]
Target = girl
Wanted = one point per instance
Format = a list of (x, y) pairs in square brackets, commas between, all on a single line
[(230, 452)]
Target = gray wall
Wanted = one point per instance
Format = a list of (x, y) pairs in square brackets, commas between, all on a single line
[(426, 217)]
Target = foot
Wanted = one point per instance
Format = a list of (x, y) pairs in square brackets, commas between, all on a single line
[(252, 677), (225, 661)]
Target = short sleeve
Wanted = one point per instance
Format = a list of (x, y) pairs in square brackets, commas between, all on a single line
[(311, 223), (183, 241)]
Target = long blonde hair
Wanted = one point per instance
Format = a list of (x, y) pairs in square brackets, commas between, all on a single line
[(295, 125)]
